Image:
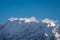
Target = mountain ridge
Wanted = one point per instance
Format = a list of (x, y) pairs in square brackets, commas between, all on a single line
[(30, 28)]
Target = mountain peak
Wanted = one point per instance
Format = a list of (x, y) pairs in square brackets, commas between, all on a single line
[(32, 19), (49, 22), (31, 27)]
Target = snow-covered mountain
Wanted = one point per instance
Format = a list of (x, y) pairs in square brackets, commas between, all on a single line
[(29, 29)]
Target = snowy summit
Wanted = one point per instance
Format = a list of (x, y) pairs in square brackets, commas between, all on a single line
[(29, 29)]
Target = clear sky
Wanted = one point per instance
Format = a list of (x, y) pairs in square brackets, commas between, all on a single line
[(27, 8)]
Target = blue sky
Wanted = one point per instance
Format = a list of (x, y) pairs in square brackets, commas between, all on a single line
[(27, 8)]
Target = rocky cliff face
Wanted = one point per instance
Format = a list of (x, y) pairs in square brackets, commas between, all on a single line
[(29, 29)]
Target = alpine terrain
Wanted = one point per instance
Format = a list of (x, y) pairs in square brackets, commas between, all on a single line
[(29, 29)]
